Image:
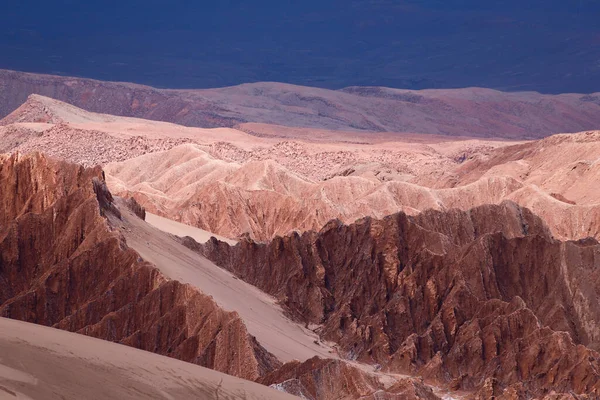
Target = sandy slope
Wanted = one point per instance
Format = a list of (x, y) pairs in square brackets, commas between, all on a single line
[(261, 314), (38, 362), (179, 229)]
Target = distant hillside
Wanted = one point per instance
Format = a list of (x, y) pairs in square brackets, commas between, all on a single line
[(457, 112)]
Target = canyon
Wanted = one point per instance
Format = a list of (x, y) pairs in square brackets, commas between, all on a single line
[(293, 251), (66, 262), (424, 294)]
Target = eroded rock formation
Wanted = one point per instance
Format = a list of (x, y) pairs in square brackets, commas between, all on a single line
[(484, 301), (61, 265), (479, 300), (335, 379)]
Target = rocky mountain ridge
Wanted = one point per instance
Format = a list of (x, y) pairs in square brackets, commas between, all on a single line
[(63, 265), (482, 300)]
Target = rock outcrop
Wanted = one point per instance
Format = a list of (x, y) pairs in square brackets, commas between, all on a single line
[(477, 299), (61, 265), (264, 199), (318, 379), (554, 177)]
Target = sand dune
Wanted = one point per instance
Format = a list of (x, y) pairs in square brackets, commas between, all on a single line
[(45, 363)]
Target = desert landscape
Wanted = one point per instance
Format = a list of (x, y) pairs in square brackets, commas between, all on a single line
[(271, 241)]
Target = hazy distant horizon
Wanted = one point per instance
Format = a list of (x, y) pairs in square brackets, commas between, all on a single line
[(544, 46)]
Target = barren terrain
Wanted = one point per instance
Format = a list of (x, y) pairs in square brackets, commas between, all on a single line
[(457, 112), (44, 363), (77, 259), (554, 177), (324, 263), (232, 183), (264, 319)]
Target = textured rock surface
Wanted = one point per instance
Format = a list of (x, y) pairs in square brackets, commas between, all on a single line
[(554, 177), (264, 199), (82, 146), (318, 379), (559, 176), (455, 297), (62, 266)]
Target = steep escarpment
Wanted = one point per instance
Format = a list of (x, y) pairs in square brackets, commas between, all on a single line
[(484, 300), (62, 265)]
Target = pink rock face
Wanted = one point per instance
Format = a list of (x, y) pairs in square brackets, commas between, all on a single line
[(483, 300), (62, 266)]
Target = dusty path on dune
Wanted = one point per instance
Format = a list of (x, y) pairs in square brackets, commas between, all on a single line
[(263, 317), (37, 362)]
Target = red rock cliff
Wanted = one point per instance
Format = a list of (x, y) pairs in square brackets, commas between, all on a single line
[(62, 266), (482, 300)]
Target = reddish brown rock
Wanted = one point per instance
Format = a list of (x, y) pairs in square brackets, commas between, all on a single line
[(136, 207), (334, 379), (62, 266), (455, 297)]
